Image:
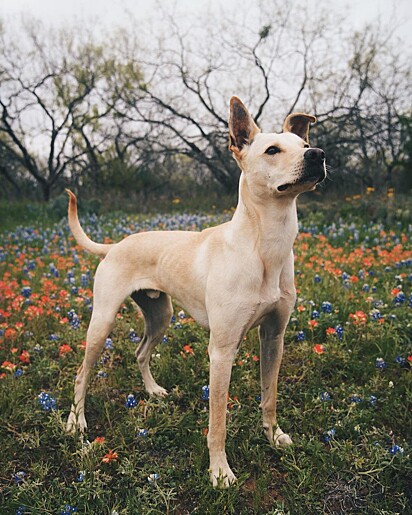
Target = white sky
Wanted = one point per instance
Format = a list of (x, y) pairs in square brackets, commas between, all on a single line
[(114, 12)]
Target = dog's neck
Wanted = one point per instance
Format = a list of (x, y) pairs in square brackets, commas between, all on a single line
[(271, 226)]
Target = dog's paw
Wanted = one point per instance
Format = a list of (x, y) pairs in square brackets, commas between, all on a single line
[(157, 391), (281, 439), (75, 422), (221, 477)]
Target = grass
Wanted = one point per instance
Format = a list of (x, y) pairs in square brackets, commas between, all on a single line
[(348, 412)]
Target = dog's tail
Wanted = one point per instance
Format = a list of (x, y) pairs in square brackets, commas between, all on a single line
[(80, 236)]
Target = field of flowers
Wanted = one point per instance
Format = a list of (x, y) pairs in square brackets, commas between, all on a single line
[(344, 397)]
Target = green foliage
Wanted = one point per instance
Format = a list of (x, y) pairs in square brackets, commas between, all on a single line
[(349, 471)]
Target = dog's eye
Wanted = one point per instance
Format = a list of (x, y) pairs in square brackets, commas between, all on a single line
[(272, 151)]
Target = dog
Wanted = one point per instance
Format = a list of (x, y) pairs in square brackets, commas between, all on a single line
[(230, 278)]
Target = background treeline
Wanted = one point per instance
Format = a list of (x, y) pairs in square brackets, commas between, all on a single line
[(141, 112)]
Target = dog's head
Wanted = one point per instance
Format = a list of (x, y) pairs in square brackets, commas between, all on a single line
[(275, 164)]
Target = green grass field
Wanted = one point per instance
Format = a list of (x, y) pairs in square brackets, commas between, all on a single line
[(344, 394)]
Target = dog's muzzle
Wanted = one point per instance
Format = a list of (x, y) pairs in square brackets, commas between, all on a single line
[(313, 170)]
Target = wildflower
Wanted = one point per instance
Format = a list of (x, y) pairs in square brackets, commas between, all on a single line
[(110, 456), (99, 440), (326, 307), (188, 349), (102, 374), (18, 372), (330, 331), (165, 339), (64, 349), (19, 476), (317, 279), (401, 360), (373, 400), (339, 331), (80, 477), (325, 396), (20, 510), (380, 363), (355, 399), (318, 348), (300, 336), (205, 393), (313, 323), (8, 365), (329, 435), (26, 291), (68, 509), (47, 402), (358, 318), (181, 314), (108, 344), (395, 449), (142, 432), (131, 401), (153, 477)]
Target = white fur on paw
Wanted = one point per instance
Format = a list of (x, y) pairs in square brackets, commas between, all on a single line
[(281, 439), (221, 477), (76, 422), (157, 391)]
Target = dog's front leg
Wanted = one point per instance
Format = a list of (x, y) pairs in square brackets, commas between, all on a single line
[(221, 354), (271, 333)]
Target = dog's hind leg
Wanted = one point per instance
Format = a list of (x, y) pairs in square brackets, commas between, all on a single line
[(157, 311), (108, 296)]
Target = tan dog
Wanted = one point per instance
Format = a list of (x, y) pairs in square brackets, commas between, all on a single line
[(230, 278)]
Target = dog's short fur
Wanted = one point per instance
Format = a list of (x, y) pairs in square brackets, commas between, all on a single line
[(230, 278)]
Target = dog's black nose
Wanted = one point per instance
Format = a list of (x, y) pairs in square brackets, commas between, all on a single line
[(314, 156)]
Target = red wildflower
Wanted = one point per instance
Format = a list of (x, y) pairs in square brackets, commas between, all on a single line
[(109, 457), (24, 357), (64, 349), (330, 330), (8, 365), (319, 349), (188, 349), (99, 439)]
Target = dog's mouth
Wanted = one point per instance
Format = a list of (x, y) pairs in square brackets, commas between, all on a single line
[(306, 179)]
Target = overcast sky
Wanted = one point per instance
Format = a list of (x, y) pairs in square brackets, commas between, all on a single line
[(115, 12)]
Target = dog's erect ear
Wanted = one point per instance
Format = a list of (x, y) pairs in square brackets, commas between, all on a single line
[(242, 128), (299, 124)]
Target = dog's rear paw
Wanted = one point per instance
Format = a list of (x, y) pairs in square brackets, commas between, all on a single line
[(157, 391), (281, 439), (221, 477)]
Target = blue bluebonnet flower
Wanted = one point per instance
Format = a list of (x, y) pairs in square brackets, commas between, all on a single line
[(20, 510), (339, 331), (133, 336), (329, 435), (26, 291), (19, 477), (375, 315), (410, 302), (182, 314), (142, 432), (53, 337), (373, 400), (366, 287), (399, 299), (178, 325), (326, 307), (68, 510), (380, 363), (131, 401), (84, 279), (173, 319), (80, 477), (205, 393), (74, 290), (108, 344), (355, 398), (18, 372), (345, 275), (153, 477), (325, 396), (300, 336), (258, 398), (315, 314), (395, 449), (102, 374), (317, 279), (74, 319), (401, 360), (37, 348), (165, 339), (47, 402)]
